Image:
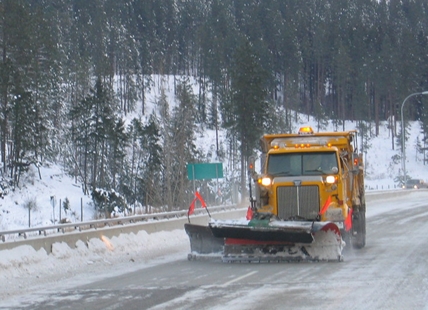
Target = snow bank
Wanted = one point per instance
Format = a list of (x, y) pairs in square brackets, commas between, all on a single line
[(24, 268)]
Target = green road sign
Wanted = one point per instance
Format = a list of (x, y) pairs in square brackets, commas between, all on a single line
[(205, 171)]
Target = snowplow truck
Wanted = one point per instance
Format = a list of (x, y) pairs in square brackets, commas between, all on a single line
[(309, 201)]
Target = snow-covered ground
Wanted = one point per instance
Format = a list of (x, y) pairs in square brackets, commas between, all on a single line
[(45, 194), (27, 270)]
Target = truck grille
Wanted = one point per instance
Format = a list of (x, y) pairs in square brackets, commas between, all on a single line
[(302, 201)]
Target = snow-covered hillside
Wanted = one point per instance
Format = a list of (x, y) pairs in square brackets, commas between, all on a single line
[(45, 194)]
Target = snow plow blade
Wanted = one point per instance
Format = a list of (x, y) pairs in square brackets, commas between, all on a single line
[(264, 240), (202, 242)]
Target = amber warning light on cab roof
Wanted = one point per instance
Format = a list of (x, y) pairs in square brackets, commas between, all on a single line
[(306, 131)]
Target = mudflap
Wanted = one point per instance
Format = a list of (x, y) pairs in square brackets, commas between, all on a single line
[(279, 241), (203, 244)]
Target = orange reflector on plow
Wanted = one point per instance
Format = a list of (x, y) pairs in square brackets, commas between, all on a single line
[(348, 221)]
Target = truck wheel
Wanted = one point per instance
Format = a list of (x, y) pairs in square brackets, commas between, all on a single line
[(359, 223)]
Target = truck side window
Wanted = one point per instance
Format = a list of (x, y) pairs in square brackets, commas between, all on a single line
[(329, 163)]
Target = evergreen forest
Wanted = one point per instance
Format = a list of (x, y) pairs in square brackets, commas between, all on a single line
[(71, 71)]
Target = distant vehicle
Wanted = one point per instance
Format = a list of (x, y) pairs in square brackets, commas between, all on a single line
[(415, 183)]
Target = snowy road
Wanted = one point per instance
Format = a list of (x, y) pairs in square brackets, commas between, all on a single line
[(390, 273)]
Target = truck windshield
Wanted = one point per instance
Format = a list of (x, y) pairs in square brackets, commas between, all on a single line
[(293, 164)]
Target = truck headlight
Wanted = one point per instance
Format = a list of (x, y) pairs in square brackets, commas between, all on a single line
[(265, 181), (330, 179)]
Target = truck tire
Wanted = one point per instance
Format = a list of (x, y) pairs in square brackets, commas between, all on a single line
[(359, 227)]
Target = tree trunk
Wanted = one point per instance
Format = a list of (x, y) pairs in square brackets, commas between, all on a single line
[(4, 120)]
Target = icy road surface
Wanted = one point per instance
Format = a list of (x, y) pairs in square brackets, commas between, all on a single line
[(390, 273)]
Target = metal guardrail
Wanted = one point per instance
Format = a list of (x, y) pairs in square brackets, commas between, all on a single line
[(10, 235), (80, 226)]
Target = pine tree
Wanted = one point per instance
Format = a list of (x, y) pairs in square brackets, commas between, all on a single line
[(103, 119), (93, 120), (166, 129), (246, 113), (130, 186), (81, 130), (118, 142), (152, 161), (182, 143), (22, 134)]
